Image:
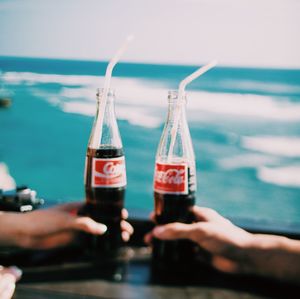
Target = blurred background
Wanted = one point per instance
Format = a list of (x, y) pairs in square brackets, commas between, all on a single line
[(244, 115)]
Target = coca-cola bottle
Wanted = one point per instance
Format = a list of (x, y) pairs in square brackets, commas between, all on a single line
[(174, 183), (105, 174)]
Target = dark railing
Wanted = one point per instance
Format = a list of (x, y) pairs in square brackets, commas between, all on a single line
[(69, 273)]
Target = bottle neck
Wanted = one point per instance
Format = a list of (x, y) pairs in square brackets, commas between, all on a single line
[(106, 107), (182, 146), (176, 108), (105, 131)]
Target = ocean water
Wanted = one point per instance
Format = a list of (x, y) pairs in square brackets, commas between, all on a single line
[(245, 125)]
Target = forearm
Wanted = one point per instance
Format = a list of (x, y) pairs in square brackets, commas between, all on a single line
[(274, 256), (10, 231)]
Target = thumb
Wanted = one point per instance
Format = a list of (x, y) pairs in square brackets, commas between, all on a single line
[(8, 278), (13, 271), (173, 231), (88, 225)]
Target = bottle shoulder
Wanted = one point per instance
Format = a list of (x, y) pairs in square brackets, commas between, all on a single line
[(183, 147), (105, 151)]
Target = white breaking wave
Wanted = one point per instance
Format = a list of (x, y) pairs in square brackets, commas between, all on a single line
[(137, 94), (128, 92), (78, 93), (34, 78), (79, 108), (247, 85), (139, 116), (136, 116), (275, 145), (247, 161), (288, 176), (144, 102), (245, 105)]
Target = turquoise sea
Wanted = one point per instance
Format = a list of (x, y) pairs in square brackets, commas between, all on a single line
[(245, 125)]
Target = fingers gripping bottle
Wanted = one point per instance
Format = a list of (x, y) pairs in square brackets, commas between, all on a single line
[(174, 184), (105, 174)]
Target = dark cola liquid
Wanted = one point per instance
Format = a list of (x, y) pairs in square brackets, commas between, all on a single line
[(104, 204), (174, 208)]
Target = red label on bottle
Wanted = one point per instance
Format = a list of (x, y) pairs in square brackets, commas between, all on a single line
[(171, 178), (109, 172)]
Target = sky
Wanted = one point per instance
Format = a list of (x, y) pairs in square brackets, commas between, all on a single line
[(255, 33)]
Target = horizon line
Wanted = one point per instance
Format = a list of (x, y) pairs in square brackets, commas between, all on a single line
[(287, 68)]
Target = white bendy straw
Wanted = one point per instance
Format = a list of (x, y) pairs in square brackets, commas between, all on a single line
[(108, 74), (114, 61), (182, 86)]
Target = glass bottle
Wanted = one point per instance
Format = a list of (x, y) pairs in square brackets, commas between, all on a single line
[(105, 174), (174, 183)]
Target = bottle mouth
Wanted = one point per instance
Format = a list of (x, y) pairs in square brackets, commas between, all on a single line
[(173, 95), (100, 92)]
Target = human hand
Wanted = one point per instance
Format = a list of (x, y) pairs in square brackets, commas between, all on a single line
[(214, 233), (55, 227), (8, 278), (233, 249)]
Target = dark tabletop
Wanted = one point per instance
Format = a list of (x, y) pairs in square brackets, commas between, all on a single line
[(71, 273)]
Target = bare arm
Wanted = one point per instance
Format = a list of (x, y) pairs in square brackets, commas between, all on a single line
[(50, 228), (235, 250), (274, 256), (44, 229)]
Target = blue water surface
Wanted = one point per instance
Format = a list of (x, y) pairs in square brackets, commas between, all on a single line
[(44, 145)]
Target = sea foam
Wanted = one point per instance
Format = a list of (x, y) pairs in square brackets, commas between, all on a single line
[(275, 145), (288, 176), (247, 161), (35, 78), (257, 86), (144, 102)]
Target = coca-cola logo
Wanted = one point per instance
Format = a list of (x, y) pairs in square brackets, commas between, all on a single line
[(109, 172), (170, 178)]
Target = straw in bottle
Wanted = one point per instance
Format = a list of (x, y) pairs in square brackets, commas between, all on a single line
[(181, 91), (107, 79)]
